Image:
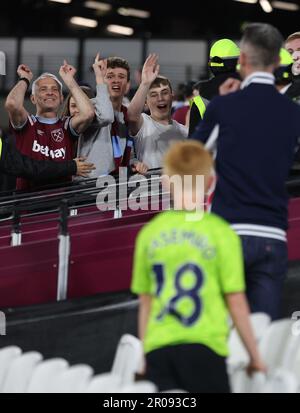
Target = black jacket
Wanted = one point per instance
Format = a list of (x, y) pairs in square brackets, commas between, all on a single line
[(208, 89), (293, 91), (12, 162)]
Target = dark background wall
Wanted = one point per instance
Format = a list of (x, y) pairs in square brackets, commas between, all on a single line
[(188, 19)]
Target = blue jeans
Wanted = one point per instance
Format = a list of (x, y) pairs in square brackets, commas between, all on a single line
[(266, 263)]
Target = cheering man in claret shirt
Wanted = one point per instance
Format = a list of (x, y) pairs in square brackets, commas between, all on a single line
[(45, 136)]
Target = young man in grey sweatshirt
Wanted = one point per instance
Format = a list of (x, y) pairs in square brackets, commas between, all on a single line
[(106, 142)]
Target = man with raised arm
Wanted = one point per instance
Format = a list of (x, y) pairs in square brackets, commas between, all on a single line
[(45, 136), (153, 134)]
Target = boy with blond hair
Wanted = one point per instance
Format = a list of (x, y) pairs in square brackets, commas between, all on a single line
[(188, 273)]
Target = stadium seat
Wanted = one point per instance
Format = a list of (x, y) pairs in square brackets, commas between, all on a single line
[(279, 349), (128, 358), (278, 346), (241, 382), (277, 381), (295, 369), (73, 380), (174, 391), (45, 375), (20, 372), (104, 383), (7, 356), (281, 381), (143, 386), (238, 354)]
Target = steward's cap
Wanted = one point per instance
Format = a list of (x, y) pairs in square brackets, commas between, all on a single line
[(222, 50)]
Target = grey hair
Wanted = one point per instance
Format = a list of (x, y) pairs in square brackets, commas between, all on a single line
[(293, 36), (44, 76), (262, 43)]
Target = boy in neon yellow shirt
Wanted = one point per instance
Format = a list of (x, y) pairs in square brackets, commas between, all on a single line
[(188, 272)]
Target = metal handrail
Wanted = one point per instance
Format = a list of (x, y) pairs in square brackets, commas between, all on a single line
[(81, 186)]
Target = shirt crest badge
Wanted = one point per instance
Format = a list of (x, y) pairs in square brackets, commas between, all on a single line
[(57, 135)]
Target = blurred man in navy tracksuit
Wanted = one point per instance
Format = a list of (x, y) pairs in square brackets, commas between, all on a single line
[(256, 134)]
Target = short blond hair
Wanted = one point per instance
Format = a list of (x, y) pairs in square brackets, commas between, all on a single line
[(293, 36), (189, 158)]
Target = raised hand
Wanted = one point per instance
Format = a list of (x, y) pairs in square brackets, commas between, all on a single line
[(140, 168), (229, 86), (67, 72), (100, 68), (150, 69), (25, 71), (83, 168)]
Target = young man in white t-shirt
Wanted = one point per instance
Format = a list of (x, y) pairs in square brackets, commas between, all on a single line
[(155, 133)]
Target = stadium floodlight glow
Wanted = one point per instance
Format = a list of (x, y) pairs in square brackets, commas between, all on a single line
[(115, 28), (61, 1), (82, 21), (285, 5), (142, 14), (98, 5), (266, 6), (247, 1)]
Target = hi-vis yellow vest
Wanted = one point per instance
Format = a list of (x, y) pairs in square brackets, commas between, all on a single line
[(200, 105)]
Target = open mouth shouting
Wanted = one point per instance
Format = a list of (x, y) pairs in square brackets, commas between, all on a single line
[(162, 106), (116, 88)]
